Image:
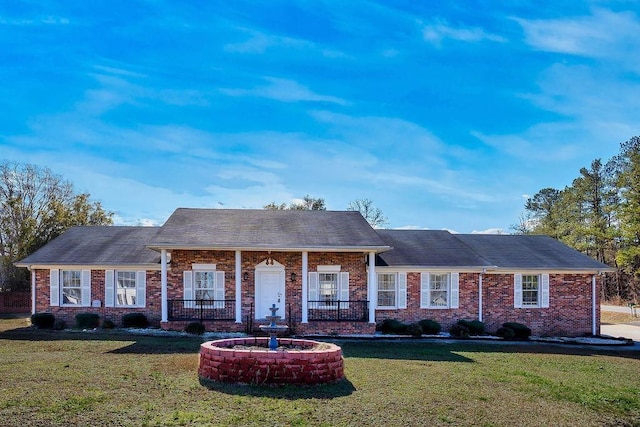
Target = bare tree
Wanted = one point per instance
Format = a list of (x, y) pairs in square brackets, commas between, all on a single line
[(372, 214), (308, 203)]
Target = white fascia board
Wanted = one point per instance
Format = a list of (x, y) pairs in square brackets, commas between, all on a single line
[(376, 249), (422, 268), (513, 270), (145, 267)]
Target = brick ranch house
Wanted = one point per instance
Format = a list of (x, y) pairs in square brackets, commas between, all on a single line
[(327, 271)]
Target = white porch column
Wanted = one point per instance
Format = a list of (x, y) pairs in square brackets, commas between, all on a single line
[(594, 329), (163, 286), (371, 287), (480, 296), (305, 288), (238, 287), (33, 292)]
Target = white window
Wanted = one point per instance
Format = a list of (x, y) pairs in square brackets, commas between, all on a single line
[(71, 285), (204, 284), (125, 288), (327, 286), (439, 290), (387, 289), (531, 290)]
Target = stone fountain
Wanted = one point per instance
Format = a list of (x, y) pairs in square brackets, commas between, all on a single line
[(272, 328)]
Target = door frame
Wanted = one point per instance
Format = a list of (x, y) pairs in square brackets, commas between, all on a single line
[(261, 268)]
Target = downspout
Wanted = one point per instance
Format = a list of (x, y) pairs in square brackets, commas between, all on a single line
[(371, 287), (305, 288), (480, 295), (593, 306), (33, 292), (238, 287), (163, 287)]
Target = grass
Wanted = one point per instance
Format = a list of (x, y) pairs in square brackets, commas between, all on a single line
[(608, 317), (110, 378)]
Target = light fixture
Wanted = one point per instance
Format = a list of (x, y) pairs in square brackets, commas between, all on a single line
[(293, 277), (245, 276)]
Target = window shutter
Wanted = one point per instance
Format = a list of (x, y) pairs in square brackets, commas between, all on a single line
[(54, 288), (109, 288), (344, 289), (544, 301), (141, 288), (85, 284), (402, 290), (218, 290), (313, 287), (455, 290), (187, 281), (424, 290), (517, 290)]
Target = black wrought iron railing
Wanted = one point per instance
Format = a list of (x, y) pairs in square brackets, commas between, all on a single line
[(183, 309), (338, 311)]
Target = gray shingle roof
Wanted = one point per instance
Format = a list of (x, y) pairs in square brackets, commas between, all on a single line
[(529, 251), (97, 245), (269, 229), (432, 248)]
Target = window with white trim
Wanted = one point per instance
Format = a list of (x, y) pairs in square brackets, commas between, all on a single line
[(204, 285), (328, 287), (71, 287), (439, 290), (531, 290), (387, 290), (126, 291)]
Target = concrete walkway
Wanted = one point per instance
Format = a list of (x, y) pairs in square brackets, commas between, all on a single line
[(626, 330)]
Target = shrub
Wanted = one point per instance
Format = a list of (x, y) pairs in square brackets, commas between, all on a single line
[(393, 326), (520, 331), (459, 331), (135, 320), (108, 324), (59, 325), (475, 327), (195, 328), (506, 333), (415, 330), (43, 320), (87, 320), (430, 327)]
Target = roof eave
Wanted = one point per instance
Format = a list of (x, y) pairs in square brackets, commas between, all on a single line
[(260, 248), (90, 266)]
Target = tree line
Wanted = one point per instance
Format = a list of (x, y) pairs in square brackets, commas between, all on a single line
[(599, 215)]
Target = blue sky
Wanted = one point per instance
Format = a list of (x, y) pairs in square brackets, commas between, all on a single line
[(445, 114)]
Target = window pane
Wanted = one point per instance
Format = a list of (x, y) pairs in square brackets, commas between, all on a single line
[(439, 287), (71, 287), (386, 290), (328, 286), (126, 288), (530, 290), (204, 284)]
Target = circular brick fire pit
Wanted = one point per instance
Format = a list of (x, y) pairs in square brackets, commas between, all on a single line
[(250, 362)]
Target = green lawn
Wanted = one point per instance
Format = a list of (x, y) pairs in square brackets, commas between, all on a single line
[(62, 378)]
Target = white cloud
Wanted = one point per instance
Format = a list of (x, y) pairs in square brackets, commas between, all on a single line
[(440, 30), (284, 90), (489, 231), (603, 34)]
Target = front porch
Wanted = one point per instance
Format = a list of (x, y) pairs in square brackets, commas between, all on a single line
[(326, 316)]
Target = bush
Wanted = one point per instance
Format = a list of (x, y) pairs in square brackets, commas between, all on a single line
[(59, 325), (108, 324), (43, 320), (87, 320), (475, 327), (135, 320), (459, 331), (430, 327), (520, 331), (195, 328), (506, 333), (415, 330), (392, 326)]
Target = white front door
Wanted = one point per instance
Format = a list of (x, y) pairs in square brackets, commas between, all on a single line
[(269, 291)]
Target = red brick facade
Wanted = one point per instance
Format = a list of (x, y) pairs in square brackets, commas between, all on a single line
[(569, 312)]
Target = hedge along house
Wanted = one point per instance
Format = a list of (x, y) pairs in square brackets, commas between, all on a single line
[(327, 272)]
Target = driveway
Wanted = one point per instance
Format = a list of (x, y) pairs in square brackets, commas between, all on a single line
[(626, 330)]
